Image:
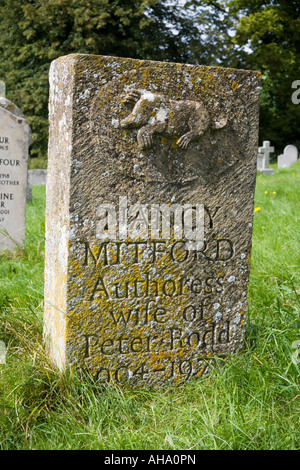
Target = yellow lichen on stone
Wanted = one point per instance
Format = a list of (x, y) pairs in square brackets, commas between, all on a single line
[(135, 311), (234, 86)]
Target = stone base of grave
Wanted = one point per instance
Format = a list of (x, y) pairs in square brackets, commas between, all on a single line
[(267, 171)]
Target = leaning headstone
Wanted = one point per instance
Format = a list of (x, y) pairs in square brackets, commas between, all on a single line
[(150, 185), (263, 161), (288, 158), (15, 138), (11, 107)]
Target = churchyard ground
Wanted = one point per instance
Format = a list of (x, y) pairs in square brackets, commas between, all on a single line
[(248, 401)]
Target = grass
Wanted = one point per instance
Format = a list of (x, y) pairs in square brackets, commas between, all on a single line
[(249, 401)]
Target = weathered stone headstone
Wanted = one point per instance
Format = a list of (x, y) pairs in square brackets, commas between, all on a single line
[(139, 153), (11, 107), (15, 138), (288, 158), (260, 160), (263, 160), (2, 89), (37, 177)]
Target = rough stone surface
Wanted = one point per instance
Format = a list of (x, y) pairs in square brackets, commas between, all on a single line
[(15, 138), (148, 312), (260, 159)]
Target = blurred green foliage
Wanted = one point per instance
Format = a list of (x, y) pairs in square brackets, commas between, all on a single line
[(254, 34), (33, 33)]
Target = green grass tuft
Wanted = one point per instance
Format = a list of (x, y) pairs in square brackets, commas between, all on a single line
[(249, 401)]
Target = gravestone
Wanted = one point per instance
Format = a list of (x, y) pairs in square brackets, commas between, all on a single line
[(263, 159), (37, 177), (288, 158), (15, 138), (11, 107), (150, 185)]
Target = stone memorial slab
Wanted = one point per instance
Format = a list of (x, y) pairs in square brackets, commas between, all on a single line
[(263, 160), (150, 185), (15, 138), (260, 159), (288, 158), (37, 177)]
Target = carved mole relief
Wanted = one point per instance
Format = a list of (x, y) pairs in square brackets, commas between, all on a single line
[(156, 114)]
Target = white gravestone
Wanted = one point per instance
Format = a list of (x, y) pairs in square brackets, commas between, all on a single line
[(260, 161), (2, 88), (12, 108), (288, 158), (15, 138), (263, 160)]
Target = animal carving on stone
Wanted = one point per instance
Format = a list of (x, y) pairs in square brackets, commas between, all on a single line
[(156, 114)]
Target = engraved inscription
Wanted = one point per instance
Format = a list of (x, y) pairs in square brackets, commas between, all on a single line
[(4, 141), (6, 165), (155, 316), (14, 141), (159, 321)]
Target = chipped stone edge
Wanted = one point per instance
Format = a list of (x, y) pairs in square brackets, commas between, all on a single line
[(61, 79)]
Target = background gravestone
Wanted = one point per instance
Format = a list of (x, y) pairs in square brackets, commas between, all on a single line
[(260, 159), (37, 177), (11, 107), (15, 138), (288, 158), (147, 311), (263, 160)]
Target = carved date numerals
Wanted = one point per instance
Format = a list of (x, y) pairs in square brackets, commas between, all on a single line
[(178, 370), (121, 375)]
